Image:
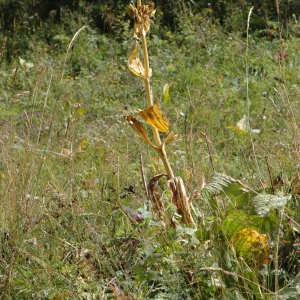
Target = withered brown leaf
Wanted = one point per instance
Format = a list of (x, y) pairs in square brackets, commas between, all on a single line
[(139, 128), (135, 65), (155, 117), (142, 18)]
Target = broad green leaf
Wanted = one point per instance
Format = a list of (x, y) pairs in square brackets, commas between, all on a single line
[(234, 190), (291, 291), (237, 220)]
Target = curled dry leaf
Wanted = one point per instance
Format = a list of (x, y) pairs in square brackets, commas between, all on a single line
[(118, 293), (139, 128), (155, 197), (170, 138), (181, 200), (141, 16), (135, 65), (135, 215), (155, 117), (66, 153), (296, 185)]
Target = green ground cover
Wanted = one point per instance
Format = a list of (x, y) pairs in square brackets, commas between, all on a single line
[(70, 169)]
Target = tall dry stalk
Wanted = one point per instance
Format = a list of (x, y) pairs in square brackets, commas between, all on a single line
[(153, 115)]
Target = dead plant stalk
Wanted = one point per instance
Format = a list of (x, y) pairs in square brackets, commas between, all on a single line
[(152, 114), (160, 147)]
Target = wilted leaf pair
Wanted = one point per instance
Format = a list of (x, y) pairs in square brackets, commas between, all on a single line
[(154, 117)]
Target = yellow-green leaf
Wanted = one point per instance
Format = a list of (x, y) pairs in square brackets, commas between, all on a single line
[(155, 117), (135, 65), (80, 111), (139, 128), (166, 94), (83, 144), (252, 246)]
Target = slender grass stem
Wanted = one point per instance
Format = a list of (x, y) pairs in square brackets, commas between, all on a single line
[(248, 97)]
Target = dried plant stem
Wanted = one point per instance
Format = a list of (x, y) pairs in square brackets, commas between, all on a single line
[(179, 197), (148, 87), (163, 155), (160, 147), (144, 177), (75, 36), (248, 97), (276, 254)]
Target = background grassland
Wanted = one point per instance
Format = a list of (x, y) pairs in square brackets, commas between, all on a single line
[(70, 170)]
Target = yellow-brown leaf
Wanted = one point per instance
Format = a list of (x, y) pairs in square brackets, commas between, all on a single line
[(155, 117), (252, 245), (134, 63), (142, 16), (139, 128)]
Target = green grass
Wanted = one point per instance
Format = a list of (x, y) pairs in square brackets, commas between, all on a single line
[(70, 165)]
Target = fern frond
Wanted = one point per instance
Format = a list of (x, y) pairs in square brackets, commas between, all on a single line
[(232, 188), (242, 196)]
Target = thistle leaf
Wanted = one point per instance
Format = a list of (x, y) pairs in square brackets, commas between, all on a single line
[(263, 203), (155, 117), (291, 290), (135, 65), (139, 128)]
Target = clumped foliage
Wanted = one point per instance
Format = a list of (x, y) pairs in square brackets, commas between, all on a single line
[(20, 19), (75, 220)]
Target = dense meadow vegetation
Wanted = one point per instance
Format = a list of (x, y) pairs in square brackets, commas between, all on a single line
[(76, 221)]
